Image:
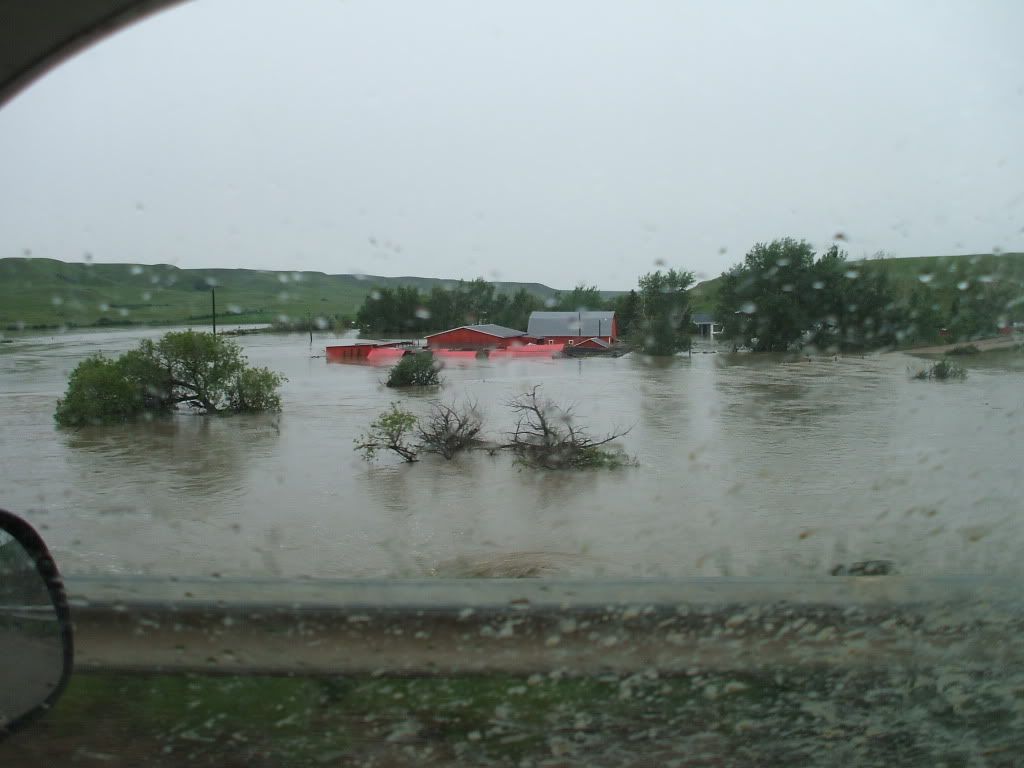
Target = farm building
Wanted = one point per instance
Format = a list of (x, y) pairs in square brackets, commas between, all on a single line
[(572, 327), (360, 351), (706, 325), (472, 337), (538, 351)]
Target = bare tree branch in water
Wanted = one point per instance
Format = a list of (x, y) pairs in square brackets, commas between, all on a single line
[(546, 436), (449, 428)]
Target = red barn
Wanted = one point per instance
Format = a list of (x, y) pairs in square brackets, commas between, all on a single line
[(471, 337), (573, 327)]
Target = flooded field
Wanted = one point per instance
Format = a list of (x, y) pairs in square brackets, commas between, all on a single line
[(747, 465)]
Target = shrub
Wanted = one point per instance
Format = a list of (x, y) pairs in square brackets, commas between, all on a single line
[(255, 390), (416, 370), (941, 371), (391, 431), (964, 349), (446, 430), (99, 392), (947, 369)]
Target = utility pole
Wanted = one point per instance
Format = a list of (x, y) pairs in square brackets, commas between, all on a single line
[(213, 302)]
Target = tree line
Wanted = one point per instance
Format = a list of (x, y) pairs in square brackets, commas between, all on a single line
[(407, 310), (783, 295)]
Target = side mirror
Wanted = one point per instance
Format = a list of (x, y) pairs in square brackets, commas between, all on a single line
[(35, 626)]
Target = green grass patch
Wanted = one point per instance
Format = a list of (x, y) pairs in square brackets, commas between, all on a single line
[(781, 717)]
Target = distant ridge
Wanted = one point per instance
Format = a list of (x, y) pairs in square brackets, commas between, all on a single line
[(39, 292)]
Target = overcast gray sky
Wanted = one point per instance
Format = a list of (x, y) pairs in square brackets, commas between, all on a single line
[(557, 141)]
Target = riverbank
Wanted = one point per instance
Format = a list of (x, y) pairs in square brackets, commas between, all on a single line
[(989, 344)]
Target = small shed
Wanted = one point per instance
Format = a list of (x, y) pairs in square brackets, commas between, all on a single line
[(540, 351), (356, 352), (572, 327), (473, 337)]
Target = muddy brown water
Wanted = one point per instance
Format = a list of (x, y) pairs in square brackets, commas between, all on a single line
[(748, 466)]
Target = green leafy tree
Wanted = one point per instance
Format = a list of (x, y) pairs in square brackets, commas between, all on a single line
[(393, 310), (580, 299), (442, 307), (515, 313), (767, 302), (851, 306), (189, 368), (255, 390), (981, 307), (474, 300), (628, 312), (661, 327), (923, 316), (99, 392)]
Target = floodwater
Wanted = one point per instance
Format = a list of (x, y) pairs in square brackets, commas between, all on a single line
[(748, 466)]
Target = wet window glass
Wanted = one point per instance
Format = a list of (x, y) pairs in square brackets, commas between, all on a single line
[(523, 383)]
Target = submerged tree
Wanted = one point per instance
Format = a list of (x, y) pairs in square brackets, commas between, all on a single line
[(447, 430), (450, 428), (546, 437), (199, 370)]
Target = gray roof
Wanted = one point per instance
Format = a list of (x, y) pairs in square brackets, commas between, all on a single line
[(599, 342), (701, 318), (570, 324), (489, 328)]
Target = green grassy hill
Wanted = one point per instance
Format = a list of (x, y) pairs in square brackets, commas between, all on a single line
[(50, 293), (907, 272)]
